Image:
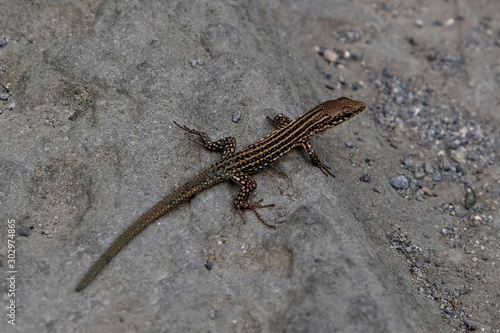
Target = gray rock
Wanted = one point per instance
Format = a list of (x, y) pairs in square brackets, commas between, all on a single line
[(400, 182)]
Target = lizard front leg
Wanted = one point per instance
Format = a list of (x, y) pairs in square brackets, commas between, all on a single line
[(225, 145), (315, 160)]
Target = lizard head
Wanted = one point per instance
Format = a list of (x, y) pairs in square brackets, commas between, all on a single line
[(342, 109)]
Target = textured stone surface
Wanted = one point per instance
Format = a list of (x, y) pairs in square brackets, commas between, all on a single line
[(90, 144)]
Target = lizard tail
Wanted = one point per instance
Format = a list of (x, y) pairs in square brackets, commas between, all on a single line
[(181, 194)]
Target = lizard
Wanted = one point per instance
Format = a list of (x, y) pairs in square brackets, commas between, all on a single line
[(238, 167)]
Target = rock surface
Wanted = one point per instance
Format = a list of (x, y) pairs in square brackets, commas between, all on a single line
[(87, 144)]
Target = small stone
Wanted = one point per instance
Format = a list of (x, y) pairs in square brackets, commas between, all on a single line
[(349, 145), (209, 264), (428, 168), (445, 164), (457, 156), (470, 324), (449, 22), (470, 198), (419, 173), (400, 182), (12, 106), (419, 195), (447, 231), (399, 99), (419, 23), (427, 191), (330, 55), (24, 231), (367, 177), (236, 116), (3, 41), (408, 162), (4, 96), (437, 178)]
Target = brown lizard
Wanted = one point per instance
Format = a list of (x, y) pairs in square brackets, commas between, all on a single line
[(238, 166)]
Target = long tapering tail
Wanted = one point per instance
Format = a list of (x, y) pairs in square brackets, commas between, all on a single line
[(183, 193)]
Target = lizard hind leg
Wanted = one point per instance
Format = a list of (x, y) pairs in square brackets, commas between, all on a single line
[(248, 185)]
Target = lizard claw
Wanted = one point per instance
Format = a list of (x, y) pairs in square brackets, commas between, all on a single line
[(326, 170), (253, 206)]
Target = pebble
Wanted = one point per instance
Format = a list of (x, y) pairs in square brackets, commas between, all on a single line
[(419, 173), (408, 162), (428, 168), (470, 324), (427, 191), (445, 164), (448, 231), (400, 99), (448, 61), (4, 96), (320, 49), (457, 156), (385, 72), (400, 182), (24, 231), (236, 116), (330, 55), (367, 177), (3, 41), (459, 169), (419, 195), (349, 144), (346, 35), (470, 198), (437, 178), (419, 23)]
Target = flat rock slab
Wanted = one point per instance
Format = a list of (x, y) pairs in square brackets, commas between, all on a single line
[(91, 91)]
